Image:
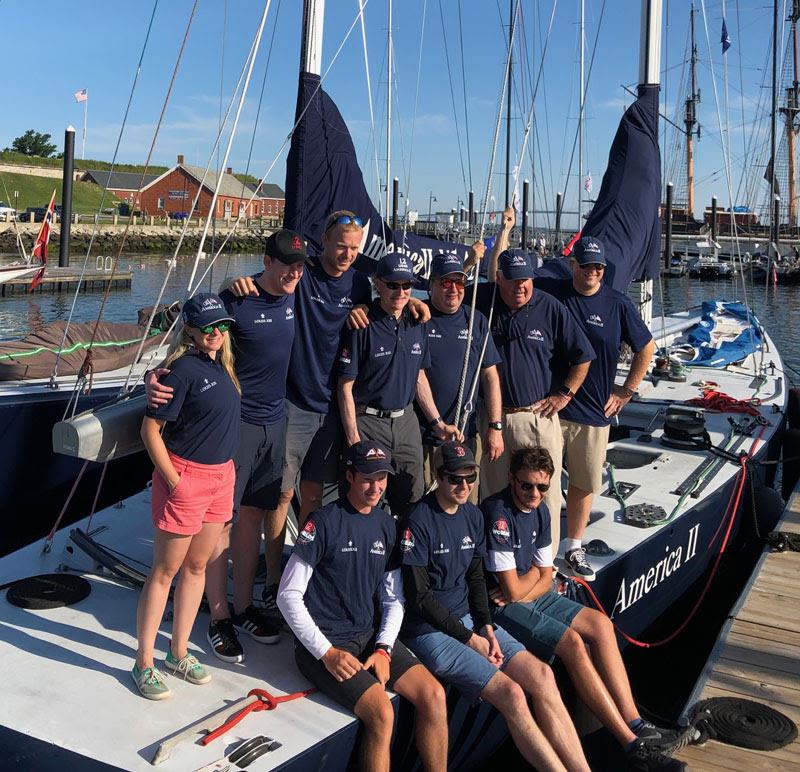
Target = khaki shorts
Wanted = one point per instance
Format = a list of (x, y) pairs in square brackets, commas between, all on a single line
[(585, 454)]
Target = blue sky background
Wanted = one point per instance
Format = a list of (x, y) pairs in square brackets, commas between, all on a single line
[(54, 49)]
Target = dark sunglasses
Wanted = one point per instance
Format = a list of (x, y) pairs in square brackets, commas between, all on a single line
[(405, 286), (457, 479), (593, 267), (345, 219), (221, 326), (450, 283), (528, 487)]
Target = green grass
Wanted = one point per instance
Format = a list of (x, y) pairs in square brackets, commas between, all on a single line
[(10, 157), (36, 191)]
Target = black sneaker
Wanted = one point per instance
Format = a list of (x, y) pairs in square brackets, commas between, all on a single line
[(255, 623), (270, 608), (653, 735), (224, 641), (579, 565), (642, 759)]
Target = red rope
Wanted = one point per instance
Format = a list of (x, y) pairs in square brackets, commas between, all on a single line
[(724, 403)]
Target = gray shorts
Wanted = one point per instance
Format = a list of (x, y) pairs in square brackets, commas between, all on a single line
[(259, 465), (313, 445)]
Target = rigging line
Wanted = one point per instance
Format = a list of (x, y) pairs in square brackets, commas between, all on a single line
[(213, 215), (463, 88), (17, 231), (103, 194), (546, 123)]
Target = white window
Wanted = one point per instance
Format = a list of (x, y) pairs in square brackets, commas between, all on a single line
[(160, 204)]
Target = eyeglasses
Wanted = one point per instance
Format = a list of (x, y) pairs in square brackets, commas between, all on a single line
[(528, 487), (221, 326), (405, 286), (457, 479), (593, 267), (345, 219), (450, 283)]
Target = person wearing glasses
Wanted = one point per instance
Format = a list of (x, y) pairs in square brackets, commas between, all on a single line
[(449, 627), (191, 442), (609, 319), (447, 339), (520, 563), (345, 558)]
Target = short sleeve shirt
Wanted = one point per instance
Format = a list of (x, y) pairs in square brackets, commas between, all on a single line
[(445, 544), (202, 418), (350, 553)]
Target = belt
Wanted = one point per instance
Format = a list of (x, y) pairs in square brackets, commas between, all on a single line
[(367, 410), (526, 409)]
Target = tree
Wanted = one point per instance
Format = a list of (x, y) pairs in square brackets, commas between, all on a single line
[(33, 143)]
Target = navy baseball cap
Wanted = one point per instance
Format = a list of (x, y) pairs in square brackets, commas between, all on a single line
[(455, 456), (589, 251), (515, 266), (394, 266), (446, 263), (368, 457), (204, 309), (286, 246)]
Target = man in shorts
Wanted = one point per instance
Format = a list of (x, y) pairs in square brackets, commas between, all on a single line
[(344, 557)]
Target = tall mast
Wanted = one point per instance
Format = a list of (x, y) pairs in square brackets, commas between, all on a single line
[(580, 126), (690, 119), (508, 101), (774, 221), (389, 58), (790, 114), (311, 43)]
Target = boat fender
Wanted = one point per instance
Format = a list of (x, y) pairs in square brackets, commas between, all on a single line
[(793, 408), (744, 723), (48, 591), (790, 469)]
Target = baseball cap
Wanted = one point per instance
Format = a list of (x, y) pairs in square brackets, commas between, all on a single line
[(454, 456), (394, 266), (204, 309), (446, 263), (515, 266), (589, 250), (286, 246), (368, 457)]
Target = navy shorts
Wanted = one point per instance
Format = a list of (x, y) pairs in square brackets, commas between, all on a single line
[(313, 445), (540, 624), (348, 693), (259, 465), (456, 663)]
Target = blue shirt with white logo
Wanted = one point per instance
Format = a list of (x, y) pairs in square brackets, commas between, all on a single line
[(529, 339), (202, 418), (447, 337), (263, 332), (609, 319), (322, 304), (445, 544), (384, 359), (350, 553)]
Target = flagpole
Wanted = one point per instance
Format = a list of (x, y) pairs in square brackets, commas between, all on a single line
[(85, 115)]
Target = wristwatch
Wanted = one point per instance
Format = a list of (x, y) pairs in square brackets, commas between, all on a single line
[(496, 425), (626, 391), (435, 422), (565, 391), (384, 647)]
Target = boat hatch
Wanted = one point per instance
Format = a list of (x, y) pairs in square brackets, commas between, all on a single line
[(630, 458)]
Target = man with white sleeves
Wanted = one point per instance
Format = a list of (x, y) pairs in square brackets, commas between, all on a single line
[(344, 557)]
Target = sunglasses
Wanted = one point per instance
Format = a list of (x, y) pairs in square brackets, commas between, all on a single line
[(345, 219), (457, 479), (405, 286), (221, 326), (593, 267), (528, 487), (450, 283)]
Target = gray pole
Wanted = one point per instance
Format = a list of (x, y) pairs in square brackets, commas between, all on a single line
[(395, 196), (525, 186), (558, 222), (713, 218), (668, 222), (471, 209), (66, 196)]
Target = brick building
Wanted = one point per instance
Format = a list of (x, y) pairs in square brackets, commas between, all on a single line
[(123, 185)]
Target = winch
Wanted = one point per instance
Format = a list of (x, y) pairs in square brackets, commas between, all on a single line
[(685, 428)]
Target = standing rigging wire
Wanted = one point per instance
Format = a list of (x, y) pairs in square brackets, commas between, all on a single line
[(546, 119), (213, 215), (463, 88)]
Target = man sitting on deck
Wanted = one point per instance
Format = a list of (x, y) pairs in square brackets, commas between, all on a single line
[(344, 556)]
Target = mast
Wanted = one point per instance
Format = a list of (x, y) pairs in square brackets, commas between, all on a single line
[(790, 115), (774, 220), (311, 42), (389, 58), (508, 101), (580, 125), (690, 119)]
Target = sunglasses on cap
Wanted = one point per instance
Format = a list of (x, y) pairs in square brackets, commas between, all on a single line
[(449, 282), (528, 487), (399, 285), (345, 219), (221, 326), (457, 479)]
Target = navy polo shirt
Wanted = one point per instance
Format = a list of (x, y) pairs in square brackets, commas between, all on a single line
[(384, 359), (350, 553), (529, 339), (608, 318), (263, 332), (447, 336), (444, 544), (512, 530), (322, 304), (202, 418)]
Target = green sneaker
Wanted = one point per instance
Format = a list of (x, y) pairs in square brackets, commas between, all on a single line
[(189, 667), (150, 683)]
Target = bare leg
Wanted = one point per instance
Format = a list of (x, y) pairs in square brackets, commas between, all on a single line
[(245, 548), (375, 711), (579, 507), (426, 694), (275, 537), (189, 589), (217, 577), (538, 681), (597, 630), (509, 699), (310, 499), (169, 551)]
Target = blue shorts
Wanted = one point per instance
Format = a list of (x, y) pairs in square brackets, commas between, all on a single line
[(455, 663), (540, 624), (313, 446), (259, 466)]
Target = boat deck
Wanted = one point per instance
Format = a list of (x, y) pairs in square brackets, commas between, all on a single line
[(759, 657)]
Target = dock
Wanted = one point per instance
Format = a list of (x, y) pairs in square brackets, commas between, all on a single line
[(58, 279), (757, 657)]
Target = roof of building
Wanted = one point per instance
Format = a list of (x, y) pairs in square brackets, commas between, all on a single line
[(230, 185), (119, 180), (268, 190)]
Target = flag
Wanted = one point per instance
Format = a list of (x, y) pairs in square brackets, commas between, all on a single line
[(81, 96), (725, 38), (40, 247), (768, 177), (587, 183)]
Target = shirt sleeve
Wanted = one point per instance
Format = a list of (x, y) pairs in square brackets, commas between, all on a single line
[(392, 605), (498, 532), (349, 352), (420, 600), (310, 544), (291, 592), (634, 330), (543, 557), (414, 548), (477, 593), (497, 561), (180, 388)]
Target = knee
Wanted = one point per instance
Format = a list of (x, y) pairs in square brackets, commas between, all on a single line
[(513, 699), (571, 647), (194, 567), (285, 498), (379, 720), (432, 700), (601, 628), (163, 574)]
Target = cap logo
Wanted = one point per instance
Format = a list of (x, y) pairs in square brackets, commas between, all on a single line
[(375, 453), (452, 259), (401, 263), (591, 246), (296, 243), (459, 450), (517, 260), (210, 304)]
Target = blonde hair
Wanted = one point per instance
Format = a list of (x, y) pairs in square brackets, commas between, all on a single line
[(181, 342), (331, 219)]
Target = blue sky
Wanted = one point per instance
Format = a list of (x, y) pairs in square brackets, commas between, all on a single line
[(53, 51)]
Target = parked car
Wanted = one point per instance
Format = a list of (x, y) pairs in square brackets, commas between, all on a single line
[(38, 213), (7, 213)]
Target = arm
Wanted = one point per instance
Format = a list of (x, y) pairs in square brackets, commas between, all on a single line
[(621, 395), (347, 409), (501, 242), (419, 310), (476, 253), (157, 450), (428, 405), (553, 403), (392, 605), (479, 608), (527, 587), (156, 393), (244, 285), (493, 440)]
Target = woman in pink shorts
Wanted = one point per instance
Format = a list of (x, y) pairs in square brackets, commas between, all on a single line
[(191, 441)]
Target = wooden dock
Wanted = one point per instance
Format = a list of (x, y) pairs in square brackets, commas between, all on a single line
[(58, 279), (757, 657)]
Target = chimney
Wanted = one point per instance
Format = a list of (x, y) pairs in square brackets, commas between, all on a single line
[(180, 159), (229, 170)]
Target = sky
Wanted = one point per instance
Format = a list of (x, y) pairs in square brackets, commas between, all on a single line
[(60, 47)]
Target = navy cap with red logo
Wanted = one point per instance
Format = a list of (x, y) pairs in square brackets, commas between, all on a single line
[(368, 457), (286, 246), (454, 456)]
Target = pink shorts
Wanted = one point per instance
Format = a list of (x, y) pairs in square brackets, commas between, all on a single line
[(204, 494)]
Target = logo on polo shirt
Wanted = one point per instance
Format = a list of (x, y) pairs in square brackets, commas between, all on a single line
[(433, 334), (308, 534), (345, 302), (463, 334), (350, 547), (317, 299), (377, 548), (535, 334), (207, 385), (382, 352), (416, 349), (442, 550), (344, 357), (289, 313), (501, 531), (263, 319), (595, 319), (407, 540), (467, 543)]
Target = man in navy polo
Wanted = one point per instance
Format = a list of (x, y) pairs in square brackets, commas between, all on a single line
[(345, 557), (609, 319), (545, 357), (447, 340), (449, 627)]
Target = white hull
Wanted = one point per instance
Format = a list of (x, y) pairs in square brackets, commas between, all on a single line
[(11, 272)]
